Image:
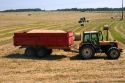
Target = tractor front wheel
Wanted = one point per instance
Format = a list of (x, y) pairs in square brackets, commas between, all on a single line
[(86, 52), (113, 53)]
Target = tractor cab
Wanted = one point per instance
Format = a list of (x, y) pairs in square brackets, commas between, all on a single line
[(92, 38)]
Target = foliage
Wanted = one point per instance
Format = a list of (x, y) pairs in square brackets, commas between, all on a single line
[(92, 9), (23, 10)]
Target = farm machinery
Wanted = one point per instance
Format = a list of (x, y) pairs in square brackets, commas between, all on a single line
[(41, 42), (82, 21)]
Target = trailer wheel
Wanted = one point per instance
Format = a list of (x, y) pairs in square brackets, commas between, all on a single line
[(41, 52), (86, 52), (30, 51), (49, 51), (113, 53)]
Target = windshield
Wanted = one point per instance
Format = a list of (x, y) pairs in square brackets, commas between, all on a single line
[(87, 37)]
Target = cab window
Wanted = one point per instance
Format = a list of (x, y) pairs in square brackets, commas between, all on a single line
[(95, 38), (87, 38)]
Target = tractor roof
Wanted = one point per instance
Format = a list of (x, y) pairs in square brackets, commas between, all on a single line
[(91, 32)]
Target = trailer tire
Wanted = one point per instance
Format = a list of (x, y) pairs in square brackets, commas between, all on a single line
[(49, 51), (113, 53), (30, 51), (86, 52), (42, 52)]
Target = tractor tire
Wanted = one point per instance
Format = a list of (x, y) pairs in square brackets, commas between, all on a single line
[(49, 51), (82, 24), (79, 21), (41, 52), (86, 52), (106, 53), (113, 53), (30, 51)]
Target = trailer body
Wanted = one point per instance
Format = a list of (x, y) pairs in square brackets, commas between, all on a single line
[(51, 39)]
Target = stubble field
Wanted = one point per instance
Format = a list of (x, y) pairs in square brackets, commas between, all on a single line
[(60, 67)]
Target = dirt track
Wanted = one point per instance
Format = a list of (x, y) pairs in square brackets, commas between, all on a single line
[(60, 67)]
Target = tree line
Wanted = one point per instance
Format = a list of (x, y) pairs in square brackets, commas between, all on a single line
[(92, 9), (23, 10), (68, 9)]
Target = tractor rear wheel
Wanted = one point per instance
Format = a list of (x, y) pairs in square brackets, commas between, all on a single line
[(30, 51), (113, 53), (86, 52)]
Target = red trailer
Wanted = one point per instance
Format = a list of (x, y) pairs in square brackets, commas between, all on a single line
[(41, 42)]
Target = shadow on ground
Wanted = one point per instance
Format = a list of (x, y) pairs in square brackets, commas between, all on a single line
[(23, 56), (50, 57), (77, 57)]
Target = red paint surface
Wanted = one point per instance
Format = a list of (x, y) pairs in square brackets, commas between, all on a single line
[(49, 40)]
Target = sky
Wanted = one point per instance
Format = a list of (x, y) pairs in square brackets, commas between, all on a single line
[(58, 4)]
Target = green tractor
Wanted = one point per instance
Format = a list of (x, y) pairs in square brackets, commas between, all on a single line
[(92, 42)]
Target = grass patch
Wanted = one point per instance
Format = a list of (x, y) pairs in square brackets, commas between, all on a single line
[(116, 35), (6, 41)]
